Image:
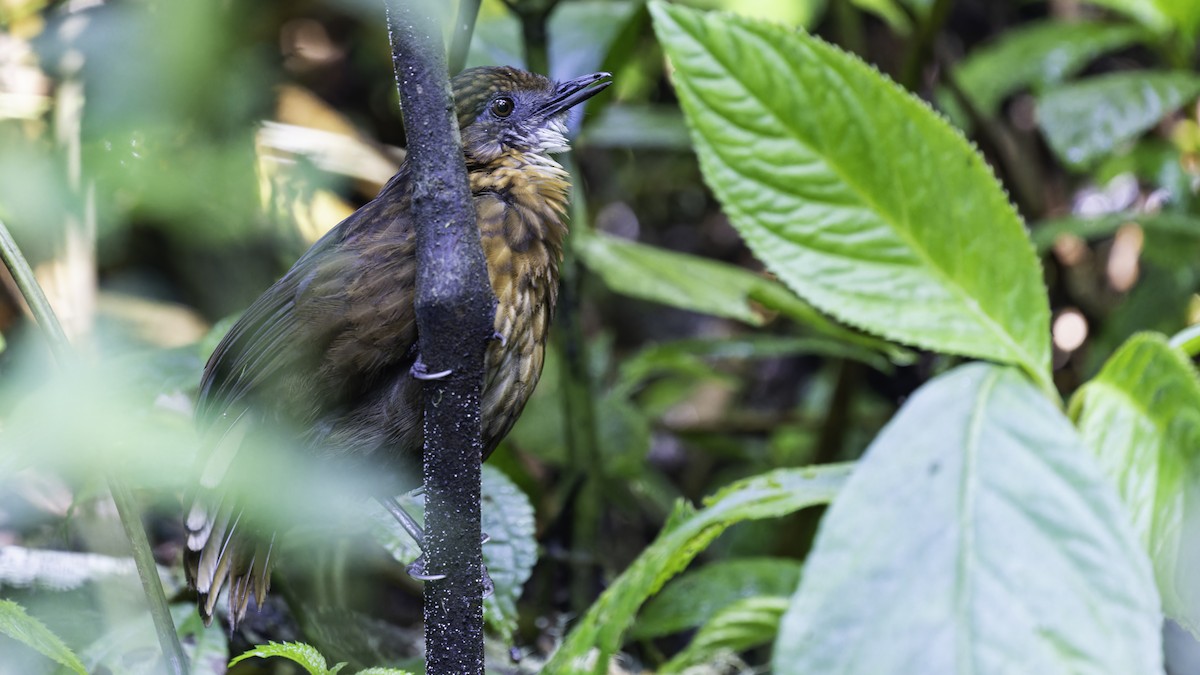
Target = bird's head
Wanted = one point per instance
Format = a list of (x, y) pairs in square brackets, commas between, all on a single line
[(504, 109)]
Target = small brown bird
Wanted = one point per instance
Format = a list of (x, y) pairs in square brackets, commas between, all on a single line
[(326, 355)]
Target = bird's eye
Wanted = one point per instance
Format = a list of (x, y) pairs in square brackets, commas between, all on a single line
[(502, 107)]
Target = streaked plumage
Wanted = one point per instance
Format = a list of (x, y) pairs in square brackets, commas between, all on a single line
[(325, 353)]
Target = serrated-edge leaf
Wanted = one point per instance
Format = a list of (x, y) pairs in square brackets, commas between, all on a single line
[(842, 207), (597, 636), (384, 671), (511, 551), (1141, 416), (16, 623), (1085, 120), (306, 656), (995, 545), (747, 623)]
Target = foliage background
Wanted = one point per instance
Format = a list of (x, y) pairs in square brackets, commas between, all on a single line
[(161, 163)]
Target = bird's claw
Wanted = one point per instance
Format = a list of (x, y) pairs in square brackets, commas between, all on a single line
[(417, 571), (421, 372), (497, 335)]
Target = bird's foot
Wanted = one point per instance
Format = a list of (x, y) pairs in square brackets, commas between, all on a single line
[(501, 337), (417, 571), (421, 372)]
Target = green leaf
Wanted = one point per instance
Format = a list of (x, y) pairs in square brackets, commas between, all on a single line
[(636, 126), (1087, 120), (888, 10), (383, 671), (206, 646), (1141, 416), (598, 635), (977, 534), (706, 286), (854, 193), (1036, 55), (510, 553), (1047, 231), (745, 624), (1148, 12), (305, 655), (20, 626), (686, 602)]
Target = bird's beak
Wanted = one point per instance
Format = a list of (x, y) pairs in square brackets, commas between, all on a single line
[(573, 92)]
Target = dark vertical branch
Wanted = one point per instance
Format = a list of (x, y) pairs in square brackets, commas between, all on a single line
[(534, 16), (454, 309), (464, 26)]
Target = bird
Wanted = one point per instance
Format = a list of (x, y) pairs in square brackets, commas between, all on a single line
[(325, 361)]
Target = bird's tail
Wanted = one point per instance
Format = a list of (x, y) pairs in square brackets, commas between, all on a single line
[(223, 550)]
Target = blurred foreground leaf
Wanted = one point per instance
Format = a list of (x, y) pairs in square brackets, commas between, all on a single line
[(15, 623), (978, 530), (1084, 121), (777, 493), (1141, 416), (1046, 232), (855, 193)]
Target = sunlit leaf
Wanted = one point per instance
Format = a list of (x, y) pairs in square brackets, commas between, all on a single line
[(855, 193), (17, 624), (1086, 120), (597, 636), (746, 623), (689, 600), (1035, 55), (1141, 416), (977, 532), (306, 656), (888, 10), (1148, 12)]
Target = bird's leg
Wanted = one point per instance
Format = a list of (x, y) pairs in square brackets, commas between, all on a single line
[(420, 372), (416, 569)]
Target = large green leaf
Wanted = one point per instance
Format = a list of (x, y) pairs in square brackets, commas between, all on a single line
[(598, 635), (17, 624), (1086, 120), (1141, 416), (693, 597), (977, 535), (855, 193), (1036, 55)]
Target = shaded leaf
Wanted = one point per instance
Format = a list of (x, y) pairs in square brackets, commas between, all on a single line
[(1036, 55), (859, 197), (1141, 416), (633, 126), (1148, 12), (207, 647), (1047, 231), (1086, 120), (509, 554), (687, 601), (706, 286), (977, 532), (746, 623), (598, 634), (17, 624)]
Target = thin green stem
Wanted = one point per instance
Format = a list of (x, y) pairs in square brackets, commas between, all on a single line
[(464, 26), (143, 558), (1188, 340)]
